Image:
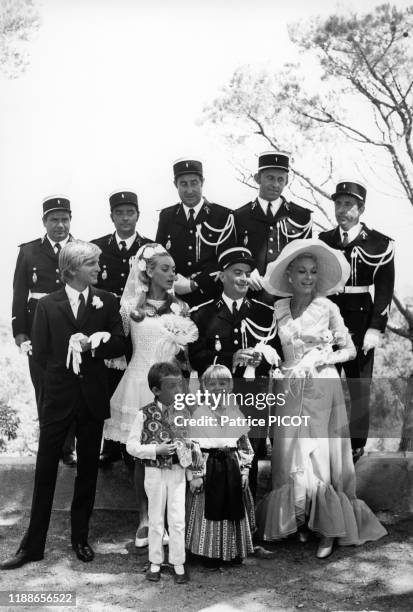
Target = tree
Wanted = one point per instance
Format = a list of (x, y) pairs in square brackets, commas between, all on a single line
[(19, 20), (350, 91)]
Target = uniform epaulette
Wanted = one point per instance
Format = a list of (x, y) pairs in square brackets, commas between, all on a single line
[(195, 308), (298, 206), (169, 208), (382, 236), (36, 240), (262, 303)]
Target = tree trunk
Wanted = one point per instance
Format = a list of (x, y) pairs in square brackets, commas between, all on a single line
[(406, 440)]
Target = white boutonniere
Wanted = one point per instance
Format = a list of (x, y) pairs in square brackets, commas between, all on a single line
[(97, 302)]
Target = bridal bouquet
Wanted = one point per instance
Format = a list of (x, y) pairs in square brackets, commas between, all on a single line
[(180, 332), (184, 330), (319, 355)]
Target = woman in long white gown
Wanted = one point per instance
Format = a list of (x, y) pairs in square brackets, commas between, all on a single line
[(160, 328), (313, 476)]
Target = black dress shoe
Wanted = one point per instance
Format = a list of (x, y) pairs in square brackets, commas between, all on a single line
[(69, 459), (83, 552), (153, 576), (357, 454), (106, 459), (181, 578), (20, 558)]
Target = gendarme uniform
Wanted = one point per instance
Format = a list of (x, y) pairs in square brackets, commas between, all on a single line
[(37, 272), (371, 257), (195, 245), (264, 233), (116, 259), (222, 331)]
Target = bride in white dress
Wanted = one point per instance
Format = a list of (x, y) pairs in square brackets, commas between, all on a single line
[(160, 329)]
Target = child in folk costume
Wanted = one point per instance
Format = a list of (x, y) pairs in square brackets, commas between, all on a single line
[(220, 508), (160, 443)]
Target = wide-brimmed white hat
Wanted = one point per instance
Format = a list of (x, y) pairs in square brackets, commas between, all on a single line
[(333, 268)]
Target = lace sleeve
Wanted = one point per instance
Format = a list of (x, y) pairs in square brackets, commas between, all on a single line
[(346, 350), (125, 315)]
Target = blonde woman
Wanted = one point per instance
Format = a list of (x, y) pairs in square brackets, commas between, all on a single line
[(160, 329)]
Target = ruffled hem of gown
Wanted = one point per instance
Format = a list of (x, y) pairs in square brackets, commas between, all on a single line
[(330, 513)]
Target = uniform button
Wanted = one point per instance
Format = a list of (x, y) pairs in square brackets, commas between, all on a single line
[(121, 289), (271, 228), (190, 248), (271, 239), (235, 341), (236, 331), (57, 270), (57, 280), (123, 260), (80, 375), (189, 263), (191, 231), (270, 251), (122, 274)]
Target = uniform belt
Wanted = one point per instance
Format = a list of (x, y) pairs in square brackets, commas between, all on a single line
[(360, 289), (36, 296)]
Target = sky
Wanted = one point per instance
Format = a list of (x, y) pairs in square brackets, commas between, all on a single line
[(114, 93)]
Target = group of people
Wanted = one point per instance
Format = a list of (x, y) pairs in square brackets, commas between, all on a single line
[(240, 298)]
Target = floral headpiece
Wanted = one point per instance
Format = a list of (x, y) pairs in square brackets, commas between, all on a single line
[(148, 253)]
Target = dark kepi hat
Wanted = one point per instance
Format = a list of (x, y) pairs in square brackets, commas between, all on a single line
[(236, 255), (187, 166), (272, 159), (56, 202), (357, 190), (117, 198)]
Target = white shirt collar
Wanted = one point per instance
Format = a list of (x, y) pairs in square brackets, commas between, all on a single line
[(352, 233), (229, 302), (128, 241), (62, 242), (275, 205), (73, 294), (196, 208)]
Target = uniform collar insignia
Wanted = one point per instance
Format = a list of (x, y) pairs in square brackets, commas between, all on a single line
[(363, 234), (44, 238), (207, 209), (220, 303), (111, 237), (247, 303), (254, 204)]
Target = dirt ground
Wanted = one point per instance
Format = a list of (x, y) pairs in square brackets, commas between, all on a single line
[(376, 576)]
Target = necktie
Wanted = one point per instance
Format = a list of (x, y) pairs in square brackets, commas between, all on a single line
[(270, 216), (191, 218), (234, 308), (57, 248), (345, 239), (81, 308), (122, 245)]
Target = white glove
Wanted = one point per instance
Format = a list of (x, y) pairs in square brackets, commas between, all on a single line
[(182, 285), (26, 347), (74, 351), (98, 337), (255, 280), (371, 340)]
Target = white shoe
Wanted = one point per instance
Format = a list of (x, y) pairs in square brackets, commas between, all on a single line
[(325, 548), (165, 538), (141, 538)]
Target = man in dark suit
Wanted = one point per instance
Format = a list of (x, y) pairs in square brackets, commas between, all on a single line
[(194, 232), (118, 251), (269, 222), (81, 324), (230, 327), (37, 274), (371, 256)]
